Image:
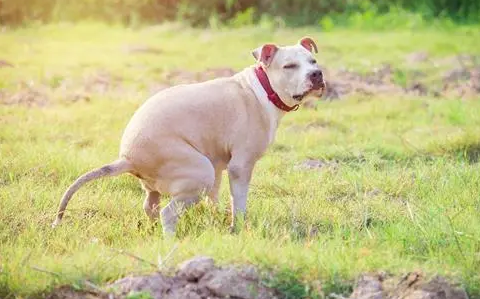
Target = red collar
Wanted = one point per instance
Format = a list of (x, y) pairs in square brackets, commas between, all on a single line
[(271, 94)]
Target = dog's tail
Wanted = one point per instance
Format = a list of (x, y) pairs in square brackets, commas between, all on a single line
[(115, 168)]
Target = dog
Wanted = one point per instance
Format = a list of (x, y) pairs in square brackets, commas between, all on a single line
[(181, 139)]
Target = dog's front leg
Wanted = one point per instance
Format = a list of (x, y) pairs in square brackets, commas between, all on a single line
[(239, 175)]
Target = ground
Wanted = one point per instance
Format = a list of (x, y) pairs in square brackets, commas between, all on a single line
[(369, 181)]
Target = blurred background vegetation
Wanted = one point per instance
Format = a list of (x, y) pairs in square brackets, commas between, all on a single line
[(235, 13)]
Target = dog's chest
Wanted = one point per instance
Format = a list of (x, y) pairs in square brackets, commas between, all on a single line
[(273, 131), (273, 117)]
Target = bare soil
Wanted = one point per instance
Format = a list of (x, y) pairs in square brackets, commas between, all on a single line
[(461, 80), (200, 278)]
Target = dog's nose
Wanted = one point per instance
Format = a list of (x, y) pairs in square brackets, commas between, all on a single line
[(316, 77)]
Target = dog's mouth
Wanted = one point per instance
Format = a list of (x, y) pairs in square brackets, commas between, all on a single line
[(318, 89), (299, 97)]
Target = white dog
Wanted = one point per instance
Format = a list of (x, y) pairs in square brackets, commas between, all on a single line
[(181, 139)]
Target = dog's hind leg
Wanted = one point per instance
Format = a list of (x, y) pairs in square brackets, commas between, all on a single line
[(171, 212), (187, 183), (151, 205)]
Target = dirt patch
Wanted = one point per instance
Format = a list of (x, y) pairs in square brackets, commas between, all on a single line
[(200, 278), (417, 57), (318, 126), (342, 83), (196, 278), (461, 80), (310, 164), (67, 292), (345, 83), (414, 285), (141, 49), (26, 93), (4, 63), (99, 82), (30, 93)]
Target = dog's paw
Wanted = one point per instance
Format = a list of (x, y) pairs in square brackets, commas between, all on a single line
[(55, 223)]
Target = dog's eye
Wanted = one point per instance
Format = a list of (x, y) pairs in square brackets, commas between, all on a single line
[(313, 61), (290, 66)]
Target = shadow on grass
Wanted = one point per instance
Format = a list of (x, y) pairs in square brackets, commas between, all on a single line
[(469, 153)]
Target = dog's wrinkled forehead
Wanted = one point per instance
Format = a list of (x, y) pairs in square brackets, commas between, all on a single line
[(271, 53), (292, 54)]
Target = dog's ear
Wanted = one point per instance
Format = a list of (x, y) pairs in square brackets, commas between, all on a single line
[(265, 53), (308, 44)]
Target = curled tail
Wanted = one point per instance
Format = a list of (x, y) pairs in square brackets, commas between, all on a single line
[(115, 168)]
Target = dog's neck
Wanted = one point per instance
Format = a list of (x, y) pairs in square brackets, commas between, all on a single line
[(273, 113), (272, 95)]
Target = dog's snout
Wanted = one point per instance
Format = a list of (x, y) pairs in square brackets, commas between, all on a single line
[(316, 76)]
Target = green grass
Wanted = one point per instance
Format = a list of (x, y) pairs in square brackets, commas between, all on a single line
[(400, 191)]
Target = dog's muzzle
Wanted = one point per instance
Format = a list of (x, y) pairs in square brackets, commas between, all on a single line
[(316, 77), (318, 86)]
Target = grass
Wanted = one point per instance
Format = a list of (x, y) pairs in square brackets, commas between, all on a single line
[(400, 189)]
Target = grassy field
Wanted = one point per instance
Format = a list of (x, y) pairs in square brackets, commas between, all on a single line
[(398, 190)]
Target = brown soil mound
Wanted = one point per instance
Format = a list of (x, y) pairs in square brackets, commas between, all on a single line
[(199, 278), (414, 285)]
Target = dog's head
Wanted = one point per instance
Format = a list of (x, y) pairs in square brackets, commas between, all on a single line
[(292, 70)]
